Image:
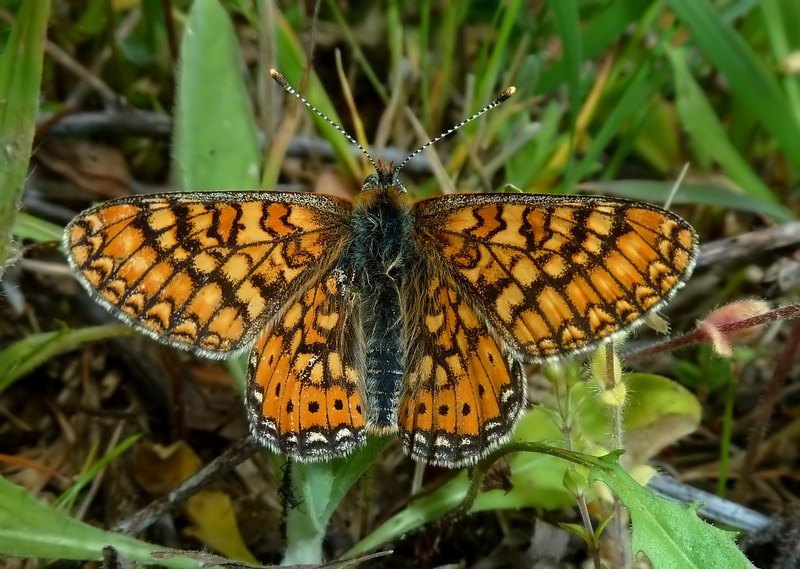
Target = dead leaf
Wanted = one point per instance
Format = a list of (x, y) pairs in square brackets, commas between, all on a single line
[(101, 170), (159, 469), (214, 523)]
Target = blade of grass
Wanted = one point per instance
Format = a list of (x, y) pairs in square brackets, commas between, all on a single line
[(20, 77), (601, 30), (69, 496), (25, 355), (569, 28), (748, 77), (657, 192), (707, 131), (28, 226), (779, 18)]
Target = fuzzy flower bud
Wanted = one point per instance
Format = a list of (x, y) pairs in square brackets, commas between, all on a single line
[(714, 326)]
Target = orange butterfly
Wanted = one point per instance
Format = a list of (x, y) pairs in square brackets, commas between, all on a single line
[(381, 315)]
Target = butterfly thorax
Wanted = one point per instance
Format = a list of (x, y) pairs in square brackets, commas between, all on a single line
[(379, 255)]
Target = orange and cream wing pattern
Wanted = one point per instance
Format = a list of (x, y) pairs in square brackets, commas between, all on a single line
[(463, 391), (556, 275), (204, 271), (304, 397)]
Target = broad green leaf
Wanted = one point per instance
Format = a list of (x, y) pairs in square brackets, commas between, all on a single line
[(317, 489), (28, 528), (537, 477), (20, 77), (669, 533), (216, 144)]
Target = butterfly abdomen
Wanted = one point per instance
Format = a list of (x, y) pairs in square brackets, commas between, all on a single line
[(380, 252)]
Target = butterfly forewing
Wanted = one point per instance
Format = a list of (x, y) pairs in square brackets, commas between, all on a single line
[(463, 392), (204, 271), (555, 275), (304, 394)]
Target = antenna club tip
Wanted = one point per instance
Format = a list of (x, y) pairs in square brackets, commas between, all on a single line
[(275, 74), (508, 93)]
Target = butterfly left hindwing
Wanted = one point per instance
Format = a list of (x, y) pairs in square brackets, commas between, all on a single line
[(304, 394)]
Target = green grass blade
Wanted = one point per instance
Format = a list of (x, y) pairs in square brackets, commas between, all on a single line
[(23, 356), (748, 77), (603, 29), (28, 226), (707, 132), (20, 77), (657, 192), (569, 29), (71, 494)]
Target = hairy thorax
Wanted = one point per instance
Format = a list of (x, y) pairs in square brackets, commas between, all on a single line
[(381, 254)]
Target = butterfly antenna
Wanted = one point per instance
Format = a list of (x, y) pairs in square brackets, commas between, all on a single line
[(500, 98), (281, 80)]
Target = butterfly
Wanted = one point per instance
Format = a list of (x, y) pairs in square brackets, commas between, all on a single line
[(381, 315)]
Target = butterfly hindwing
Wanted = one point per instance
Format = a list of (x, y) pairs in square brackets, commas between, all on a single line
[(555, 275), (204, 271), (304, 394), (463, 391)]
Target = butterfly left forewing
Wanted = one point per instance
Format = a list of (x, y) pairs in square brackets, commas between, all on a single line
[(204, 271), (463, 391), (556, 275), (304, 394)]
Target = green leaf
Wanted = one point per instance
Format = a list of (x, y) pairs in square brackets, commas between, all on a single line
[(669, 533), (538, 477), (29, 528), (20, 77), (317, 489), (313, 491), (216, 143), (23, 356)]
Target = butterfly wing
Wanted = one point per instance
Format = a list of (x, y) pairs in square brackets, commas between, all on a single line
[(555, 275), (204, 271), (463, 391), (304, 397)]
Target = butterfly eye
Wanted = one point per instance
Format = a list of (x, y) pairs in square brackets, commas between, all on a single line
[(371, 183)]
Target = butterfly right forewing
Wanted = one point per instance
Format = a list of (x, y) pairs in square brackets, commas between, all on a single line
[(556, 275)]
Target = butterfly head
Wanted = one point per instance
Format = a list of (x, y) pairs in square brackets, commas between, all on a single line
[(386, 178)]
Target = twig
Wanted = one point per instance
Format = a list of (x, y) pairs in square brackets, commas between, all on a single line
[(765, 409), (215, 469)]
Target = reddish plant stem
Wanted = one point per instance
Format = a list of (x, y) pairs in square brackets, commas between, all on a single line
[(698, 336)]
